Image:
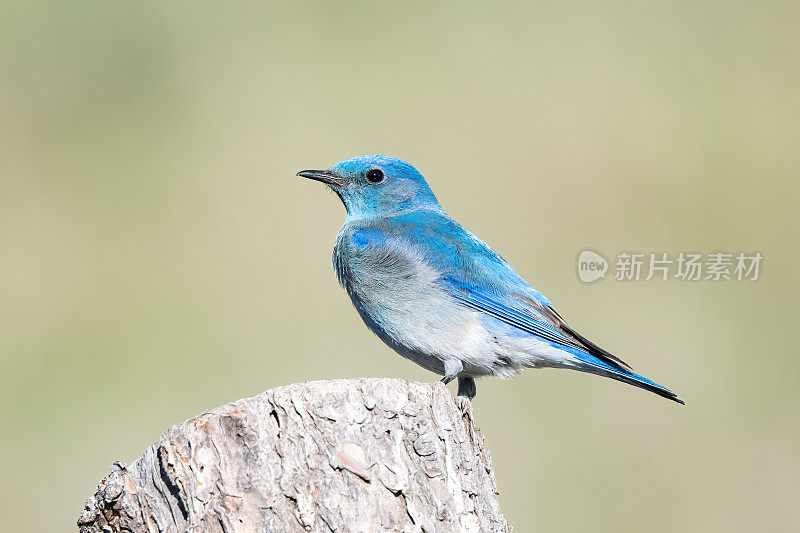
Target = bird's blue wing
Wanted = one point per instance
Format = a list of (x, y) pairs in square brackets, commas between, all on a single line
[(473, 297), (480, 279), (458, 254)]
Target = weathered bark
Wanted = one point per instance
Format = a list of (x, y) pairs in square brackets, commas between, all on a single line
[(346, 455)]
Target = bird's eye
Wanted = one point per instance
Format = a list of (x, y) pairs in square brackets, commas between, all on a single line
[(375, 175)]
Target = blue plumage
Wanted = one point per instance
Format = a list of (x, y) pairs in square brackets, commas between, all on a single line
[(440, 296)]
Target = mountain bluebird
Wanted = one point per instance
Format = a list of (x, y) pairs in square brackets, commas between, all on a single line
[(437, 294)]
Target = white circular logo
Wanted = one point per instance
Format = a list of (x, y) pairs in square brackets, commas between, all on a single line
[(591, 266)]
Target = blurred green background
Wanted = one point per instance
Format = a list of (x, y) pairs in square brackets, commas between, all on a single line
[(158, 256)]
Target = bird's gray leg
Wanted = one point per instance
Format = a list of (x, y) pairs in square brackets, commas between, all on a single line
[(466, 387), (452, 367)]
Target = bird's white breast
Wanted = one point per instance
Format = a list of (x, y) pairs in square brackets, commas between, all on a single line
[(398, 295)]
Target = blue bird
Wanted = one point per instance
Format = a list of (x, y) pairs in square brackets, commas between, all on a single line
[(437, 294)]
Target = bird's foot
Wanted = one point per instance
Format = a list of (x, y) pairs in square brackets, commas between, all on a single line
[(465, 406)]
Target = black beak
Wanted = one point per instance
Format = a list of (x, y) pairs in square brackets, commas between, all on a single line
[(325, 176)]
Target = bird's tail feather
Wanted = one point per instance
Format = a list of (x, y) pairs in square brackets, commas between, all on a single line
[(593, 365)]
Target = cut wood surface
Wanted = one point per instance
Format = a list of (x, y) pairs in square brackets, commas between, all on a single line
[(344, 455)]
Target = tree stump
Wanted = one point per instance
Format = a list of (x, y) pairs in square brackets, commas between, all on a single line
[(343, 455)]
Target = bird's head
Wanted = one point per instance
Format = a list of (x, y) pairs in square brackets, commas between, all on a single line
[(374, 185)]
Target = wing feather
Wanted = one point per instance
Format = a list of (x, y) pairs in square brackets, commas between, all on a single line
[(482, 280), (528, 315)]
